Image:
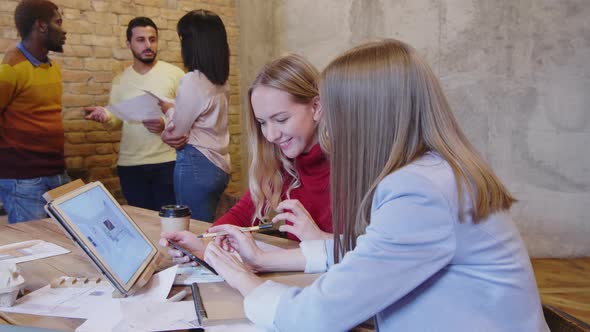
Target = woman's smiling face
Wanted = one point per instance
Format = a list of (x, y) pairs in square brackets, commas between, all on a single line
[(284, 122)]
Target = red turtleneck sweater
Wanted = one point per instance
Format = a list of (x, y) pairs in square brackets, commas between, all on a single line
[(314, 193)]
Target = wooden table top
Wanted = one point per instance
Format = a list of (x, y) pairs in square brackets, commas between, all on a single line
[(565, 284), (39, 273)]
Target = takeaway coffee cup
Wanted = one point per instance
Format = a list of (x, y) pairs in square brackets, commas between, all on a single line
[(174, 218)]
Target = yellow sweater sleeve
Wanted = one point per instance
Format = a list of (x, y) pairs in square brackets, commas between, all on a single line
[(7, 85)]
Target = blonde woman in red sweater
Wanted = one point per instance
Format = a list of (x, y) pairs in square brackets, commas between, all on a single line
[(289, 173)]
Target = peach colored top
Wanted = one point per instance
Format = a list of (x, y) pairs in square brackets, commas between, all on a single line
[(201, 111)]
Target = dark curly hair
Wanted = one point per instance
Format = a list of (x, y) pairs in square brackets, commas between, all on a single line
[(29, 11), (140, 21)]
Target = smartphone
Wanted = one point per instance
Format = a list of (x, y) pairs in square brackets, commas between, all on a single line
[(275, 226), (192, 257)]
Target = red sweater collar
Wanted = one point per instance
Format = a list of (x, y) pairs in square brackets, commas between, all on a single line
[(313, 162)]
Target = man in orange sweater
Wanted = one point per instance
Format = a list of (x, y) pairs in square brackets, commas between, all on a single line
[(31, 127)]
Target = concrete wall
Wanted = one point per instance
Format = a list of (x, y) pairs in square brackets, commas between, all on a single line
[(516, 73), (256, 48)]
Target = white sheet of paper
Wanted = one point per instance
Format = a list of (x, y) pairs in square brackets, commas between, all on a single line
[(89, 301), (29, 250), (64, 302), (144, 316), (162, 98), (157, 288), (143, 107), (104, 320), (156, 316), (160, 316)]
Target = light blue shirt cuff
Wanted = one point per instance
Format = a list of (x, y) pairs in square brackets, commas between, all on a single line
[(260, 305), (316, 259)]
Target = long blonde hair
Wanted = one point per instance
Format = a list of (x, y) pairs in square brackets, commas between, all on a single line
[(384, 108), (296, 76)]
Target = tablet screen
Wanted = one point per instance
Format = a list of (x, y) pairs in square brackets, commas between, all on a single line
[(109, 231)]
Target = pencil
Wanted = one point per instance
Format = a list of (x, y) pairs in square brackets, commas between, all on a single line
[(242, 229)]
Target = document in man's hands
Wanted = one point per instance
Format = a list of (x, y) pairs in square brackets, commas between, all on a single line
[(153, 94), (140, 108)]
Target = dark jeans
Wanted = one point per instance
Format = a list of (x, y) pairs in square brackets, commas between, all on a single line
[(148, 186), (198, 183), (22, 198)]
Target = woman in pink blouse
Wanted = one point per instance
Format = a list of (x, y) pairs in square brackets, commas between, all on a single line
[(197, 120)]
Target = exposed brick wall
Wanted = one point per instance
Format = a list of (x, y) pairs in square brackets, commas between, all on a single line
[(95, 52)]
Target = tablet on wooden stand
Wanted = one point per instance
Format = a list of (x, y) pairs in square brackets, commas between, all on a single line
[(94, 220)]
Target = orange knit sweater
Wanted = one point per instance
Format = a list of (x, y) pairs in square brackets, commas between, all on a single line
[(31, 126)]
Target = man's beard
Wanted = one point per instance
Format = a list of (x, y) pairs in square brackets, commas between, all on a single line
[(147, 61), (56, 48), (53, 42)]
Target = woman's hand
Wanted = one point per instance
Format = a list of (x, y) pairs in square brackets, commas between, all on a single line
[(235, 273), (165, 106), (303, 225), (188, 241), (176, 142), (97, 113), (242, 242)]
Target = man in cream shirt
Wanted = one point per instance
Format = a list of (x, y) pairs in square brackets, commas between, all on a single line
[(146, 164)]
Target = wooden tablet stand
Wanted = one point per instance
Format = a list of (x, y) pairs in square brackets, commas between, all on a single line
[(62, 190), (145, 276)]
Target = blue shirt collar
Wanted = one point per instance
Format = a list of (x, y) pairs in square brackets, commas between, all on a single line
[(34, 61)]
